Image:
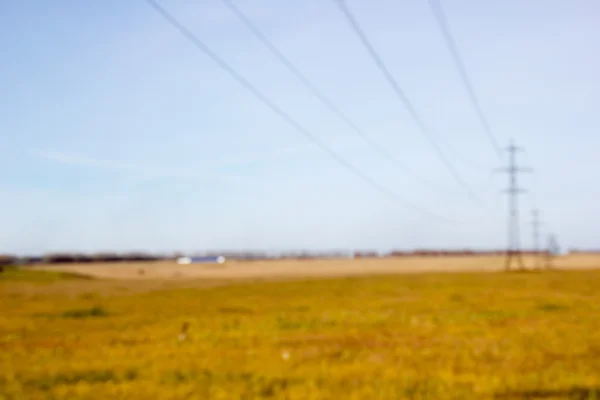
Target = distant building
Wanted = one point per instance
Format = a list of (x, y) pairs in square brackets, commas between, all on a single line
[(201, 260)]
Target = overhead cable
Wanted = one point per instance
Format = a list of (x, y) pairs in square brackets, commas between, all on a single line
[(316, 92), (284, 115), (403, 98), (442, 22)]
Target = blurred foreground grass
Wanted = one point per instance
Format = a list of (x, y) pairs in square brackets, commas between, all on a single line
[(431, 336)]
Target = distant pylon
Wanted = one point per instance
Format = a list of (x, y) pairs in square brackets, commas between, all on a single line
[(513, 252), (535, 222), (551, 251)]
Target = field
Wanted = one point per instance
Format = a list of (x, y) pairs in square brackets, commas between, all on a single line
[(313, 268), (435, 335)]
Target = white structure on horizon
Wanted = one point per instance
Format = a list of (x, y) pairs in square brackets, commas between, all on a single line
[(201, 260)]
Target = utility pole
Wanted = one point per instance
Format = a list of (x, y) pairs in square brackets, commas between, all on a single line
[(535, 222), (513, 253)]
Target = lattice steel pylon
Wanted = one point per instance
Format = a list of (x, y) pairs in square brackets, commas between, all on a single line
[(536, 224), (513, 252), (552, 251)]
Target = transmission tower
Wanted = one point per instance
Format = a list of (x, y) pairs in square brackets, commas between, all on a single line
[(552, 251), (535, 222), (513, 252)]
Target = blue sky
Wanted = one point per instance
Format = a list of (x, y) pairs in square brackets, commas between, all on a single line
[(118, 134)]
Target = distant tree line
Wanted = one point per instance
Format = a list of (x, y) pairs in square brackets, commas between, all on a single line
[(6, 260), (108, 257), (458, 253), (72, 258), (584, 251)]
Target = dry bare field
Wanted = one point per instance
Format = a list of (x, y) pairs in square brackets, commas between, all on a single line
[(309, 268)]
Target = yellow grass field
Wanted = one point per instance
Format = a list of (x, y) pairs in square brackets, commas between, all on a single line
[(435, 335)]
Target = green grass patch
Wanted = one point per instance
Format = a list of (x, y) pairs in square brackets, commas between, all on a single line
[(78, 313), (21, 274), (94, 312), (90, 377), (552, 307)]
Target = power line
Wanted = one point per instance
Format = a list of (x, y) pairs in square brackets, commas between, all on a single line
[(442, 21), (285, 116), (513, 252), (320, 95), (402, 96)]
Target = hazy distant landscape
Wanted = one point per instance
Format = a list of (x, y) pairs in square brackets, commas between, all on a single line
[(314, 267)]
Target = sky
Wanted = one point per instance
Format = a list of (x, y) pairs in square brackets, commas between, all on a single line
[(119, 135)]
